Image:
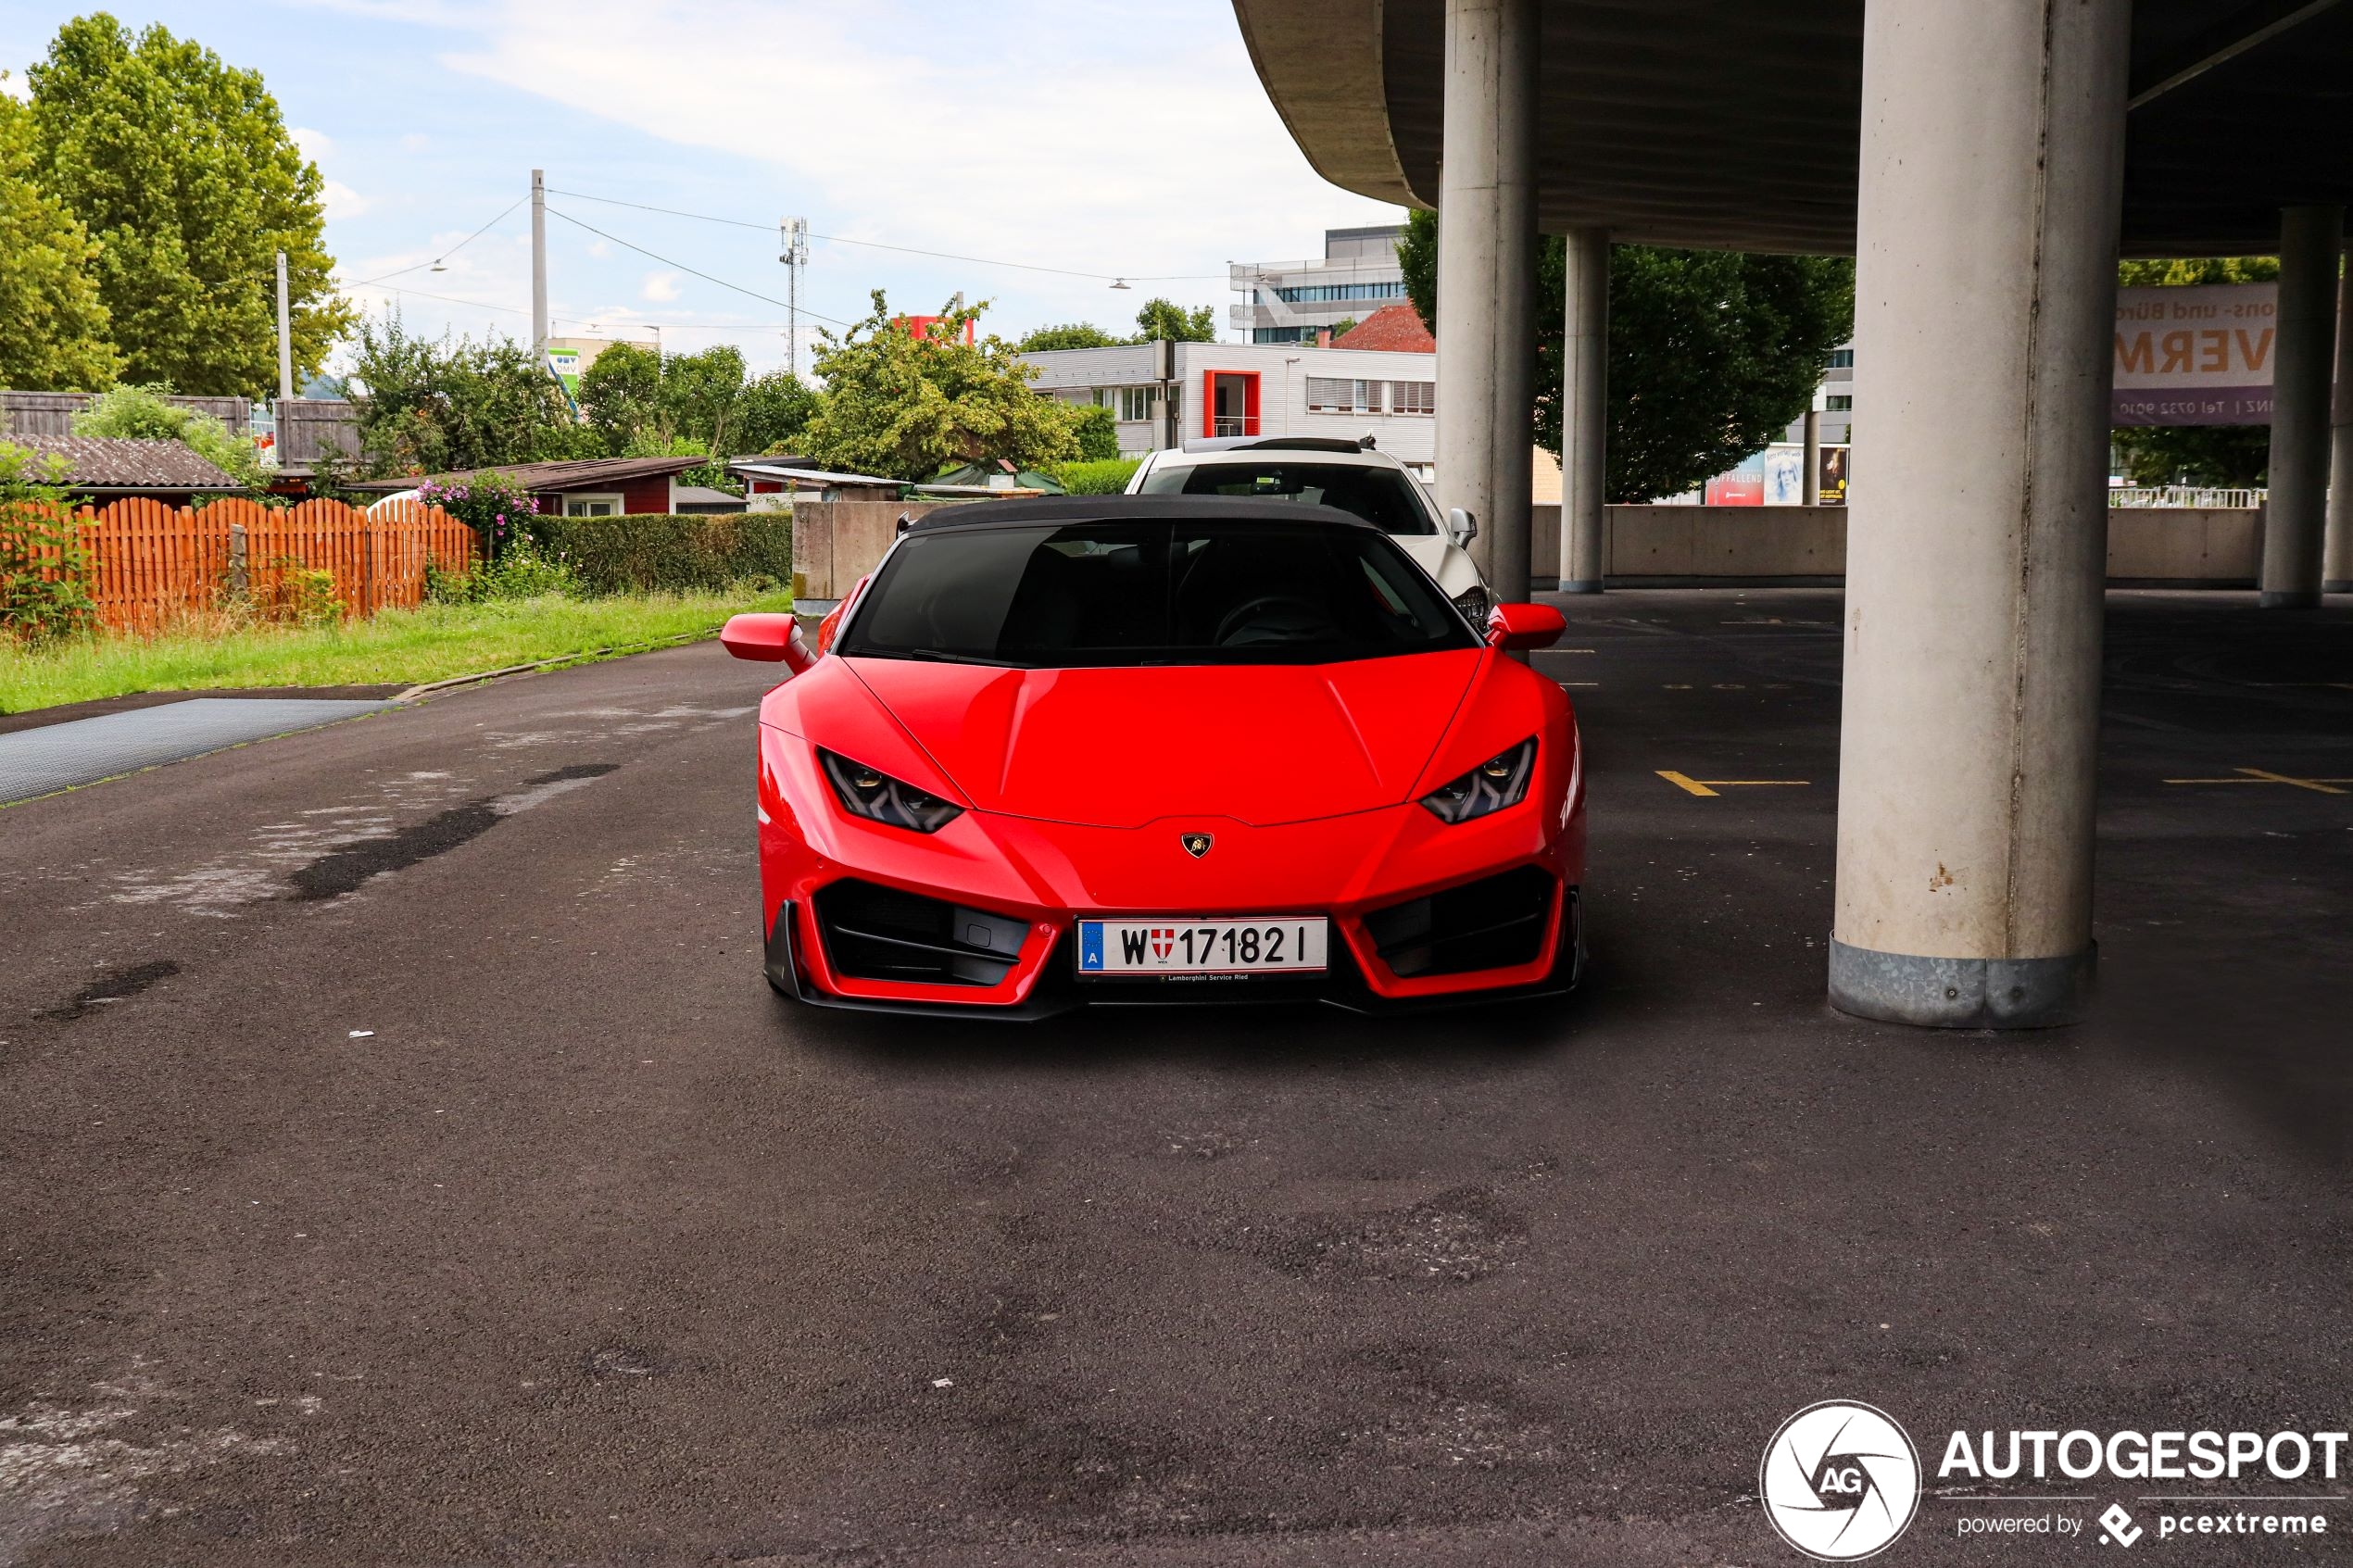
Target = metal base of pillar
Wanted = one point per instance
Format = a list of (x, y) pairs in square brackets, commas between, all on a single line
[(2288, 598), (1580, 585), (2337, 587), (1961, 993)]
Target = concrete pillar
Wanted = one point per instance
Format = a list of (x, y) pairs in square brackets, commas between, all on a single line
[(1811, 490), (2303, 354), (1584, 410), (1487, 281), (1992, 174), (2336, 570), (539, 262)]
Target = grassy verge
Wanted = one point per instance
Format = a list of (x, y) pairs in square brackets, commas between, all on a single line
[(406, 646)]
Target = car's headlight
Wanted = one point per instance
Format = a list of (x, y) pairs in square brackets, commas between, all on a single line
[(876, 795), (1499, 782), (1473, 604)]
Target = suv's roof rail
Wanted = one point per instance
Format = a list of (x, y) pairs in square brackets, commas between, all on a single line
[(1279, 443)]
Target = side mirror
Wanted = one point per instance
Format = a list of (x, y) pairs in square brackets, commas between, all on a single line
[(1462, 525), (766, 639), (1525, 626)]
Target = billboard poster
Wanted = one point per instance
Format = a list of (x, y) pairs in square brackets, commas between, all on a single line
[(1786, 476), (2199, 355), (1741, 487), (564, 365)]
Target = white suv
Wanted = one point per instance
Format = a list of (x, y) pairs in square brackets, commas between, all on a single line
[(1357, 478)]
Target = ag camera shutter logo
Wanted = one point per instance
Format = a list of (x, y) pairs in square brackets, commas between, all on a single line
[(1840, 1481)]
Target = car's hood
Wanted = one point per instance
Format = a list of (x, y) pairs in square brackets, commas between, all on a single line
[(1449, 566), (1261, 744)]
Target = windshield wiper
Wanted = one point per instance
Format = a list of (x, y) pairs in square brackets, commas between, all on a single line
[(936, 656)]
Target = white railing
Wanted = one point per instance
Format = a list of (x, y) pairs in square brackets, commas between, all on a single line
[(1233, 427), (2185, 495)]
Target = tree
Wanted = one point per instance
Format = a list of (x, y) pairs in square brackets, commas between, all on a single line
[(1712, 354), (620, 397), (904, 408), (1070, 334), (147, 413), (181, 167), (2220, 454), (1162, 319), (56, 339), (1342, 327), (772, 412), (429, 405), (1098, 432)]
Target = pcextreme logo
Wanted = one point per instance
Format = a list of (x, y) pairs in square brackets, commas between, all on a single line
[(1841, 1481)]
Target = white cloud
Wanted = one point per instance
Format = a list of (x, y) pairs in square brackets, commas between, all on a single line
[(415, 141), (660, 286), (15, 87), (341, 201), (316, 146), (1148, 152)]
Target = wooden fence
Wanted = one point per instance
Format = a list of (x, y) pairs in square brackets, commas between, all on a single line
[(155, 561)]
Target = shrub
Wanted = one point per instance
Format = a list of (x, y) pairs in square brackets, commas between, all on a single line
[(526, 569), (676, 554), (494, 505), (147, 413), (1106, 478), (45, 564), (1098, 430), (304, 594)]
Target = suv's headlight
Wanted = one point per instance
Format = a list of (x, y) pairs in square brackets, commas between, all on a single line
[(1473, 603), (876, 795), (1499, 782)]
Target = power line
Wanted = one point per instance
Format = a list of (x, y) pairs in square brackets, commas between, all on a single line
[(666, 261), (444, 254), (906, 250)]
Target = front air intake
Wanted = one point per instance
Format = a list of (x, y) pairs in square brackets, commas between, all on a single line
[(1496, 923), (874, 933)]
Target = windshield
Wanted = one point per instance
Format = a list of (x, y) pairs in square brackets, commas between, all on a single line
[(1132, 593), (1382, 496)]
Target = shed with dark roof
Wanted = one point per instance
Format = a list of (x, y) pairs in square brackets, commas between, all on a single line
[(105, 468)]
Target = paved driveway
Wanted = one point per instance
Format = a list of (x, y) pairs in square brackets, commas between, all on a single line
[(403, 1161)]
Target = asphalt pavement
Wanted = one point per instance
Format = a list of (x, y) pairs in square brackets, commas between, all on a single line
[(403, 1161)]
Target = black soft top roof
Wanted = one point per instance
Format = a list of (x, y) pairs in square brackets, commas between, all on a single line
[(1065, 509)]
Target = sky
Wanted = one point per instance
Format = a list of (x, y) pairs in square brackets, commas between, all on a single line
[(1106, 141)]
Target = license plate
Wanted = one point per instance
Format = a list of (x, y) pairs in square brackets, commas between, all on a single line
[(1201, 946)]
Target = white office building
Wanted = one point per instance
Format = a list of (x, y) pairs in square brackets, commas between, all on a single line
[(1303, 301), (1163, 395)]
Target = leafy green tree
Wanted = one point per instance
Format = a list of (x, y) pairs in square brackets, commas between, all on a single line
[(1163, 320), (182, 169), (620, 397), (905, 407), (1098, 432), (1712, 354), (2218, 455), (1070, 334), (147, 413), (437, 405), (699, 395), (55, 337), (771, 414), (1342, 327)]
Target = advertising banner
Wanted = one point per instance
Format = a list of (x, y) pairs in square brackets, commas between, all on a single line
[(1742, 487), (2194, 356), (1785, 475)]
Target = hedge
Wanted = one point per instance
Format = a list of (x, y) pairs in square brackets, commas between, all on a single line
[(1108, 477), (680, 554)]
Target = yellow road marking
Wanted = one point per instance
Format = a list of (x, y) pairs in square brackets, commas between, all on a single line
[(2264, 776), (1709, 788)]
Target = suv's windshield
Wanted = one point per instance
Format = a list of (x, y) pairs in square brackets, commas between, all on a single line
[(1124, 593), (1382, 496)]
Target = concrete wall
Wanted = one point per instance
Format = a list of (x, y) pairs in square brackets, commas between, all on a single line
[(1666, 545), (836, 543)]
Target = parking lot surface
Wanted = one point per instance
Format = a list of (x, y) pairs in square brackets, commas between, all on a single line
[(402, 1160)]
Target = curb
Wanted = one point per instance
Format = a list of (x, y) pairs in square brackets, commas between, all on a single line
[(450, 682)]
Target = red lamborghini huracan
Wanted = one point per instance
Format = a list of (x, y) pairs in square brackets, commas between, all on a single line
[(1153, 749)]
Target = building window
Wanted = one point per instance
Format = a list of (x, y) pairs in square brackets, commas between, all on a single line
[(1317, 293), (1412, 398), (1838, 403), (592, 505), (1275, 334), (1841, 358), (1339, 395), (1135, 403)]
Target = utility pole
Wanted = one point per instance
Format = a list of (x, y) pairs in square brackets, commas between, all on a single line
[(285, 335), (792, 249), (539, 263)]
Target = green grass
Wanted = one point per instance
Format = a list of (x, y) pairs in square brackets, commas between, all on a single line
[(404, 646)]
